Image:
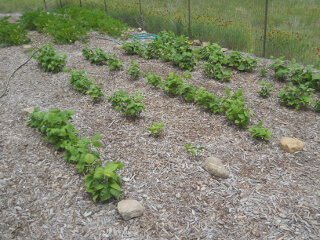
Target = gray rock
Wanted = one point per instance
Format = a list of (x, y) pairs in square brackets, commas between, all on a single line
[(130, 209), (215, 167), (196, 43), (291, 145), (26, 111)]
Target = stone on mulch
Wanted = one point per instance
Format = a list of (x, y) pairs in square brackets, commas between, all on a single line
[(27, 111), (130, 209), (291, 145), (215, 167)]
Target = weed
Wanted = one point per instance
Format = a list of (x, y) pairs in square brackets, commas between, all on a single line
[(156, 128)]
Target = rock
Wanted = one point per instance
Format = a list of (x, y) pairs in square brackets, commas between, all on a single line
[(117, 47), (130, 209), (215, 167), (204, 44), (196, 43), (291, 145), (139, 29), (131, 30), (224, 49), (26, 111), (26, 47)]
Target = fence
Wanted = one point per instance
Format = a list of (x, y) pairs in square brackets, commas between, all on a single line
[(263, 27)]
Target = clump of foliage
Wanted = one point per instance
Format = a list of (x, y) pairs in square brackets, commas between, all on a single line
[(259, 132), (213, 53), (134, 71), (188, 92), (263, 72), (316, 105), (235, 108), (281, 69), (12, 34), (192, 149), (208, 100), (296, 96), (154, 79), (82, 83), (71, 23), (133, 48), (241, 63), (265, 89), (216, 70), (49, 60), (172, 84), (129, 105), (102, 183), (156, 128), (99, 57)]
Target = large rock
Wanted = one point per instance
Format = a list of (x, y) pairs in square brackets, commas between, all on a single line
[(291, 145), (117, 47), (130, 209), (215, 167), (196, 43), (26, 111)]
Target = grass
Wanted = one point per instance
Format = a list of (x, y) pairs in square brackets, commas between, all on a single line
[(238, 25)]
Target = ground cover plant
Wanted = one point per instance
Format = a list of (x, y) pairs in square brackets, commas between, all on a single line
[(193, 150), (99, 57), (101, 182), (12, 34), (82, 83), (49, 59), (265, 90), (259, 132), (134, 71), (156, 128), (130, 106)]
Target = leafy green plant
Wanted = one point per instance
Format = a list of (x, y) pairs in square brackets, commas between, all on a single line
[(154, 79), (296, 96), (280, 68), (95, 92), (316, 105), (134, 71), (192, 149), (263, 72), (260, 133), (99, 57), (217, 71), (172, 84), (156, 128), (238, 61), (211, 50), (82, 83), (184, 60), (49, 60), (265, 89), (235, 108), (128, 105), (12, 34), (103, 182), (208, 100), (188, 92), (133, 48)]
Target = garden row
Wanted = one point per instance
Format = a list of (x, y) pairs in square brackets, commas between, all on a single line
[(66, 25), (168, 47)]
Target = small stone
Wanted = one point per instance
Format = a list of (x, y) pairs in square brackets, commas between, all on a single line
[(204, 44), (117, 47), (291, 145), (130, 209), (87, 214), (196, 43), (139, 29), (178, 195), (131, 30), (224, 49), (26, 111), (215, 167), (18, 208), (26, 48)]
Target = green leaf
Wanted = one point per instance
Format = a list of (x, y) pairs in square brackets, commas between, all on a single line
[(97, 144)]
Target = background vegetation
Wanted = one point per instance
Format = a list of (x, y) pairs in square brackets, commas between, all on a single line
[(293, 28)]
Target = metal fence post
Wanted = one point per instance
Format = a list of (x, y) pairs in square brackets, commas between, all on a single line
[(140, 13), (265, 29), (105, 6), (80, 3), (60, 4), (189, 19), (45, 5)]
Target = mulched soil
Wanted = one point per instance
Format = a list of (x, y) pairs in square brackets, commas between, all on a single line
[(270, 194)]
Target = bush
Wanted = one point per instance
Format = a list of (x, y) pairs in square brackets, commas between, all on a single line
[(12, 34)]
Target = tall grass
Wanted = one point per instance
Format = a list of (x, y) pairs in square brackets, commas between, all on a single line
[(293, 29)]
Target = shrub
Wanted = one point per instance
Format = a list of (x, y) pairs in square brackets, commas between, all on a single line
[(12, 34)]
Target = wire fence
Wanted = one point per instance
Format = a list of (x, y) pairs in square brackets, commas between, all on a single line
[(263, 27)]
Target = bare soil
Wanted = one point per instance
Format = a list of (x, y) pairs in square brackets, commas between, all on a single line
[(270, 194)]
